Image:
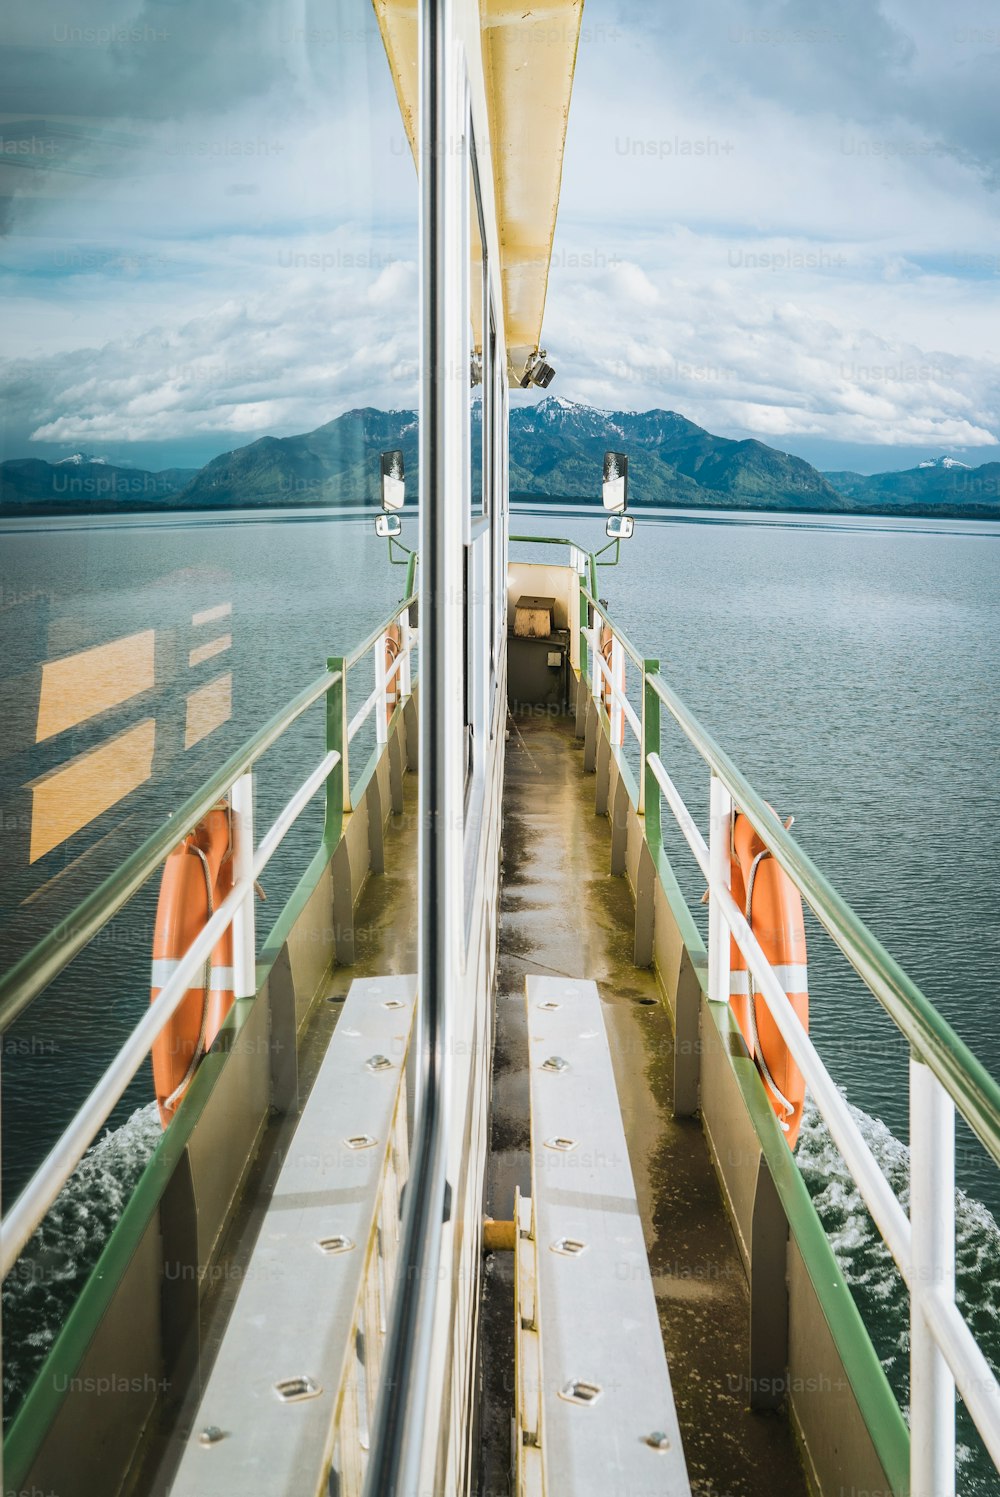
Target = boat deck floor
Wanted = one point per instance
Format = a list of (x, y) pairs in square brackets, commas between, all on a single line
[(562, 912)]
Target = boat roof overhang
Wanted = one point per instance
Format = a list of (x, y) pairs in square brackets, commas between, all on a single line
[(528, 61)]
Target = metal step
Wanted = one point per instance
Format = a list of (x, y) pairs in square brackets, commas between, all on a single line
[(588, 1329), (293, 1386)]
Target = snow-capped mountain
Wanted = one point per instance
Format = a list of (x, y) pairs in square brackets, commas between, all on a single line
[(942, 462), (78, 459)]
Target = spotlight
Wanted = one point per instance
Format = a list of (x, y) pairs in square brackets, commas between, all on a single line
[(537, 371)]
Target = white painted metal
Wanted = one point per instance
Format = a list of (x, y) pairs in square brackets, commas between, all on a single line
[(973, 1375), (245, 919), (381, 686), (595, 1309), (361, 716), (875, 1190), (932, 1248), (720, 821), (614, 677), (934, 1316), (300, 1309), (47, 1181), (529, 1474), (617, 689), (407, 639)]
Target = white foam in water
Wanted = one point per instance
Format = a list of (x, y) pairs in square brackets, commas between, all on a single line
[(44, 1283), (868, 1267)]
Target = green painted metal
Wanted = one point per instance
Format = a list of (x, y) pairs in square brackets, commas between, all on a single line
[(45, 1396), (602, 612), (23, 982), (555, 540), (875, 1398), (362, 649), (932, 1039)]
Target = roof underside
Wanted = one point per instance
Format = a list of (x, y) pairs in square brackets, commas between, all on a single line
[(529, 57)]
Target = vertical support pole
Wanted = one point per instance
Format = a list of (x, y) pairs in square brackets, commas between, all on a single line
[(404, 676), (720, 816), (336, 741), (617, 685), (245, 918), (404, 1445), (585, 663), (649, 786), (381, 732), (932, 1236)]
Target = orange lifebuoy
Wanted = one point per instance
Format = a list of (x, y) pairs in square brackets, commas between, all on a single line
[(773, 907), (393, 646), (607, 650), (197, 876)]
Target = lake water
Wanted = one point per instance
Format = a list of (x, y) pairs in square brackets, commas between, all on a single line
[(848, 666)]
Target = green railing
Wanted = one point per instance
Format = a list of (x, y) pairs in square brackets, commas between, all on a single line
[(944, 1075), (23, 983)]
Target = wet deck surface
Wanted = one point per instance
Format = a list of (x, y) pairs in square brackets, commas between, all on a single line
[(562, 912)]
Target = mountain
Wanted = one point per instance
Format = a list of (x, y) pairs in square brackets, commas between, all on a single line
[(81, 484), (557, 448), (939, 486), (335, 464), (556, 453)]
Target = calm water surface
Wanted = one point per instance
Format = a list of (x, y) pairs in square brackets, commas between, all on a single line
[(847, 666)]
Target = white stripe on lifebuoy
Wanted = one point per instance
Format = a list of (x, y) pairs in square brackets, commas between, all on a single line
[(793, 978), (164, 967)]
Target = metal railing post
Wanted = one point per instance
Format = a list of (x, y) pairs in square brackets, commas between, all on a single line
[(404, 677), (381, 729), (338, 786), (617, 685), (932, 1246), (649, 785), (586, 664), (245, 918), (720, 815)]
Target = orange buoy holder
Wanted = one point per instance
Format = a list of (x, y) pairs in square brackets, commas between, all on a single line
[(197, 877), (393, 650), (773, 909), (607, 649)]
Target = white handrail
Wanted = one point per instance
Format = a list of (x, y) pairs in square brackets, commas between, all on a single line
[(45, 1184), (617, 694), (930, 1279), (875, 1189), (360, 717)]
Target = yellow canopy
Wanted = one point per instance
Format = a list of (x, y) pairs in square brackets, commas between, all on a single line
[(528, 60)]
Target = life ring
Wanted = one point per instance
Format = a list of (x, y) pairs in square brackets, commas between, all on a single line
[(607, 646), (773, 908), (197, 876), (393, 646)]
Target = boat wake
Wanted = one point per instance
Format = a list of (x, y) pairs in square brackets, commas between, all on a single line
[(44, 1283), (874, 1280)]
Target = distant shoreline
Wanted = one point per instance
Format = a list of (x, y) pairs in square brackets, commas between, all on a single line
[(518, 501)]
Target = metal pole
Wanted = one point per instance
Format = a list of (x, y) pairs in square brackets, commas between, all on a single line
[(399, 1434), (245, 919), (381, 728), (404, 677), (617, 685), (649, 786), (932, 1248), (720, 813)]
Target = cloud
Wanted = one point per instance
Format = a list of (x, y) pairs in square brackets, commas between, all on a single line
[(747, 359), (776, 219)]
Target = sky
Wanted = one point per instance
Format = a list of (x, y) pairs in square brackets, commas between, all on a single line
[(780, 220)]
